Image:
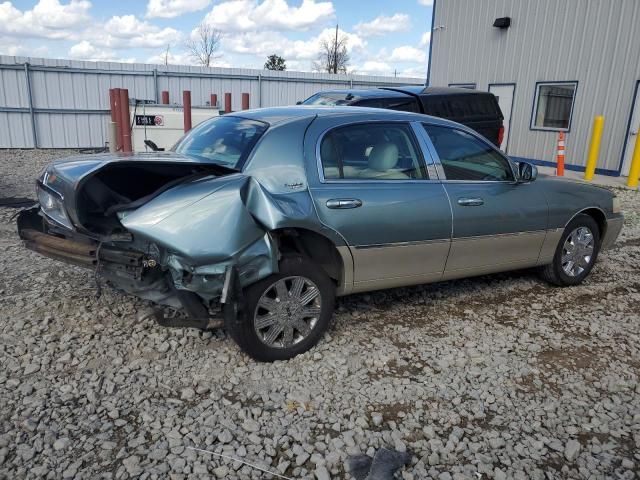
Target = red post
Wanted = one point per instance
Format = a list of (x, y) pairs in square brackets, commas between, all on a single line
[(245, 101), (165, 97), (115, 117), (214, 99), (227, 102), (125, 126), (186, 107), (112, 104)]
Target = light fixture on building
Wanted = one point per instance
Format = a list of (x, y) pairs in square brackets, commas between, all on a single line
[(502, 23)]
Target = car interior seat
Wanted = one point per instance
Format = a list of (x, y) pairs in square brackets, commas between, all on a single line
[(383, 160)]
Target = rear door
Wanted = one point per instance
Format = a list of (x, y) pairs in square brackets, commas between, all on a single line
[(372, 184), (498, 223)]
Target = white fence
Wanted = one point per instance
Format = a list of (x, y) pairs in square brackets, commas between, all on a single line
[(48, 103)]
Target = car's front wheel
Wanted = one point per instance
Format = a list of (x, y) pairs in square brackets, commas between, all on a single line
[(576, 253), (286, 313)]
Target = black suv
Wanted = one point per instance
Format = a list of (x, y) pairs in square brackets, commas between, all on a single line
[(477, 110)]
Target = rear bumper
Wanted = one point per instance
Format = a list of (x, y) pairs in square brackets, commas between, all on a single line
[(80, 251), (614, 227), (126, 269)]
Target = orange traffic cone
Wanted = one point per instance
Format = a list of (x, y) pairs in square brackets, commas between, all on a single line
[(560, 155)]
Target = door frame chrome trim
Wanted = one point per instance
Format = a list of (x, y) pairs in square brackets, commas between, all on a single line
[(497, 235), (478, 137), (402, 244)]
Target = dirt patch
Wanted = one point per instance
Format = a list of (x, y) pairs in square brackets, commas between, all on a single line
[(580, 358)]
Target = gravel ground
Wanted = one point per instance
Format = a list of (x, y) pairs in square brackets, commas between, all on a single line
[(499, 377)]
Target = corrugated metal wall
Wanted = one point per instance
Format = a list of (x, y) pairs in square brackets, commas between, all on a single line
[(70, 99), (594, 42)]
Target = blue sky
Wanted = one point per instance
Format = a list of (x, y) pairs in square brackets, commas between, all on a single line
[(384, 37)]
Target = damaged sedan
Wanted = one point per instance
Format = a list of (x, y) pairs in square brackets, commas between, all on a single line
[(263, 217)]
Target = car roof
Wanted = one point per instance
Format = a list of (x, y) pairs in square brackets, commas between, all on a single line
[(365, 93), (419, 90), (280, 115)]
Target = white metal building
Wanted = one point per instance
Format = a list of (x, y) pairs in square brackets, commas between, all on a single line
[(554, 64), (51, 103)]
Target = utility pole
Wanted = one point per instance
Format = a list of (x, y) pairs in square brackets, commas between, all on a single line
[(335, 52)]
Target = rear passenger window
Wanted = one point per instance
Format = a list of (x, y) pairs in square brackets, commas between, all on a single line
[(464, 157), (372, 151)]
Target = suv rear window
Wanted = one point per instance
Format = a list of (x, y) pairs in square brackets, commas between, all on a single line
[(469, 107)]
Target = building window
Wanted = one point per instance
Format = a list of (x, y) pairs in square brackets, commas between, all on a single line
[(553, 106)]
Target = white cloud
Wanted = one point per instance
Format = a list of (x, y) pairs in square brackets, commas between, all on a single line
[(425, 39), (374, 67), (47, 19), (267, 42), (8, 46), (407, 53), (86, 51), (382, 25), (174, 8), (426, 3), (247, 15), (127, 31)]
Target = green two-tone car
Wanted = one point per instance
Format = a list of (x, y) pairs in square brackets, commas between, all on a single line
[(263, 217)]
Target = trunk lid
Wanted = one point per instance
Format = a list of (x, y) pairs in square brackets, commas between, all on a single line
[(96, 188)]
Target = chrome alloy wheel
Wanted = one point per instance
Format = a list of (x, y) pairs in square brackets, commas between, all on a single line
[(287, 312), (577, 251)]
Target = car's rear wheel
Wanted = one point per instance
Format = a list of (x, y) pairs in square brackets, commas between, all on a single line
[(286, 313), (576, 253)]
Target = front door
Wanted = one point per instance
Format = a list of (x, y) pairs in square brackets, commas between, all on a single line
[(498, 224), (632, 134), (374, 188), (504, 93)]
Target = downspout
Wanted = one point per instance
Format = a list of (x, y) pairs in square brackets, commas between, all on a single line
[(433, 22)]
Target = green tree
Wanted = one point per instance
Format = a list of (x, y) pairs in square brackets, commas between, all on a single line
[(275, 62)]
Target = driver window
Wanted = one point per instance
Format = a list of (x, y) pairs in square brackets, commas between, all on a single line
[(373, 151), (464, 157)]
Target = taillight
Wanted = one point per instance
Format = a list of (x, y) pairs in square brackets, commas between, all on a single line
[(500, 135)]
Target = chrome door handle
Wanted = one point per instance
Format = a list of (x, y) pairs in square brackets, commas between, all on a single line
[(470, 202), (344, 203)]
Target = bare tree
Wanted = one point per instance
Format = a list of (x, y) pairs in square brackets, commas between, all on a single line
[(333, 56), (204, 44)]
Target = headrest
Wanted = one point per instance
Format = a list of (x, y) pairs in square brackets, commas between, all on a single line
[(383, 157)]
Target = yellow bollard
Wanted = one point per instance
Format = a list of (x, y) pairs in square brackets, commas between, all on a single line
[(634, 172), (594, 147)]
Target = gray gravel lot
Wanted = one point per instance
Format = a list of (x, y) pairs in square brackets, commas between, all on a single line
[(499, 377)]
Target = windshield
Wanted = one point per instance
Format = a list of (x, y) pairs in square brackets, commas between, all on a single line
[(331, 99), (224, 140)]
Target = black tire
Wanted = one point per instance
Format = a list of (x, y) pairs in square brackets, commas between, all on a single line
[(554, 273), (243, 331)]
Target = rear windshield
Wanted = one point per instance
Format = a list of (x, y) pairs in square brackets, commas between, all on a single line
[(331, 99), (225, 140), (469, 107)]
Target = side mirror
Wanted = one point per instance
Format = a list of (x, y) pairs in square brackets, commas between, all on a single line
[(299, 102), (527, 172)]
